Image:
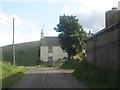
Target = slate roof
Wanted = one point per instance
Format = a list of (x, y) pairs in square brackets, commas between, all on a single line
[(50, 41)]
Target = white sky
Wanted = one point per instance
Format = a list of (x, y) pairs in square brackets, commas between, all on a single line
[(89, 12)]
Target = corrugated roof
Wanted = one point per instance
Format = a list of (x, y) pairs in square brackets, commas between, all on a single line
[(50, 41)]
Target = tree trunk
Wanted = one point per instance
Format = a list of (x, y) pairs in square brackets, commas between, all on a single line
[(69, 57)]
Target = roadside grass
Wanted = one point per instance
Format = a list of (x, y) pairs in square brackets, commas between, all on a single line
[(43, 65), (58, 65), (10, 74), (92, 77), (70, 64), (49, 65), (96, 78)]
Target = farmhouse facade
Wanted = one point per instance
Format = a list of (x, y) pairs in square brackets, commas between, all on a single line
[(50, 50), (103, 48)]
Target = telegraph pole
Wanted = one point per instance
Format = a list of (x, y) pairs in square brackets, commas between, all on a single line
[(13, 44), (40, 49)]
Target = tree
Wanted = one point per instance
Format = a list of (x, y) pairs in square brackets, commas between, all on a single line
[(72, 35), (89, 34)]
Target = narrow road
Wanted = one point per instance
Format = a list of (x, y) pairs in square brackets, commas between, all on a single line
[(38, 77)]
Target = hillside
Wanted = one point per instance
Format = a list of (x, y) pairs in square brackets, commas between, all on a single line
[(26, 53)]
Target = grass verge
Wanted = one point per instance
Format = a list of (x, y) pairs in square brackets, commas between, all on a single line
[(10, 74), (42, 65), (92, 77), (96, 78), (50, 65), (70, 64)]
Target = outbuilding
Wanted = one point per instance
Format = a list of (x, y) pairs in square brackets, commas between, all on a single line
[(103, 48)]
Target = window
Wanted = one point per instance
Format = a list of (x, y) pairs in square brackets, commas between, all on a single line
[(50, 49)]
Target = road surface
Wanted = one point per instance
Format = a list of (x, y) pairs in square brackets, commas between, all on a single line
[(39, 77)]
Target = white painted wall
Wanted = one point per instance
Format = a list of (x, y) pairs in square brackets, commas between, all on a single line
[(57, 53), (44, 53)]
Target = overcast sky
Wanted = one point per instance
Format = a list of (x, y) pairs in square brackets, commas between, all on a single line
[(31, 15)]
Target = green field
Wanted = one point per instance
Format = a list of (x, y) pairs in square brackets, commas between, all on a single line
[(26, 53)]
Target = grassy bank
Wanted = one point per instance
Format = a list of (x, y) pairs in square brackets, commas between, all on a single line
[(96, 78), (10, 74), (70, 64), (92, 78)]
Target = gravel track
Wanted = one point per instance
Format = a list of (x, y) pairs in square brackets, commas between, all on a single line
[(39, 77)]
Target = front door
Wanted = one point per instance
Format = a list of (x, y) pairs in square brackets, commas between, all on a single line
[(50, 59)]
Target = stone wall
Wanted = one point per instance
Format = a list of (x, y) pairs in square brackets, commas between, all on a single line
[(103, 49), (119, 50)]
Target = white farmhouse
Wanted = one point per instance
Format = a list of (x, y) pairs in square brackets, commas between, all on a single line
[(50, 49)]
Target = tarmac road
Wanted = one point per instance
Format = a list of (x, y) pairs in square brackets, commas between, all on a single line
[(39, 77)]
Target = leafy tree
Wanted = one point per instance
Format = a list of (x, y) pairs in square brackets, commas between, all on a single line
[(72, 35), (89, 34)]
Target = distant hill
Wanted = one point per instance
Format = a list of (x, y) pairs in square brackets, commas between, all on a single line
[(26, 53)]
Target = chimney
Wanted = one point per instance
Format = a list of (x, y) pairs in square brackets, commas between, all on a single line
[(42, 34), (119, 5)]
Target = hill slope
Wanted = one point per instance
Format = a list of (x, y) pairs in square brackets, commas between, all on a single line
[(26, 53)]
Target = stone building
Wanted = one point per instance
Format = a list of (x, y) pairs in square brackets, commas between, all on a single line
[(103, 48)]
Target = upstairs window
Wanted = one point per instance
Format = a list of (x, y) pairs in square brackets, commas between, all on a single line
[(50, 49)]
